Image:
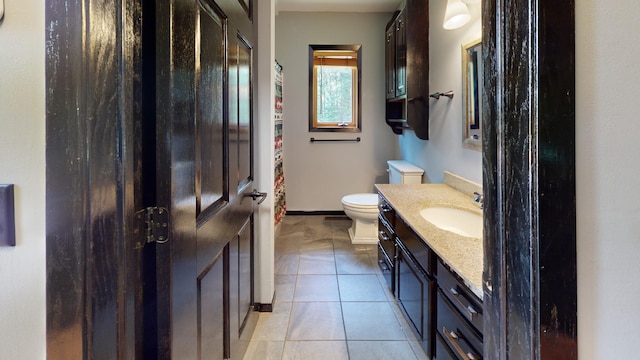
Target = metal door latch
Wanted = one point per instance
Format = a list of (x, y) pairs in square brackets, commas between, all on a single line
[(256, 194)]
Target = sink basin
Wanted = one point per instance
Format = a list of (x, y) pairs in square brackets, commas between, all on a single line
[(461, 222)]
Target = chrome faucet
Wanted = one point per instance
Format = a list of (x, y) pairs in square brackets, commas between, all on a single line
[(479, 198)]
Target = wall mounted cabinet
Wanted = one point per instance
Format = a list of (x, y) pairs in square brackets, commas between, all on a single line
[(407, 69)]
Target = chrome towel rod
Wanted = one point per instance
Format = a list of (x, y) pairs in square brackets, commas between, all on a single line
[(437, 95), (319, 140)]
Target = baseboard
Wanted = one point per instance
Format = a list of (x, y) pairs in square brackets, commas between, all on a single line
[(259, 307), (263, 307), (316, 212)]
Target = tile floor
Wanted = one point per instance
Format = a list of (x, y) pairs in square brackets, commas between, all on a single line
[(331, 299)]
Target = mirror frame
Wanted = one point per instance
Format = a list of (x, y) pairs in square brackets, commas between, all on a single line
[(468, 105)]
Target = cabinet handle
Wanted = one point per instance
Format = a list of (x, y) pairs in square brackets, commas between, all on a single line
[(453, 338), (383, 235), (383, 265), (385, 208), (470, 311)]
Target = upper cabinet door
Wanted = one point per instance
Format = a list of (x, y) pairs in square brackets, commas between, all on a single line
[(390, 61), (401, 55), (417, 66)]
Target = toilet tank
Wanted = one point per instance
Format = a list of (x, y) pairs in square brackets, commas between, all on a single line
[(404, 172)]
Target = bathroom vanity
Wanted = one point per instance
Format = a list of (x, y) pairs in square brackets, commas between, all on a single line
[(435, 274)]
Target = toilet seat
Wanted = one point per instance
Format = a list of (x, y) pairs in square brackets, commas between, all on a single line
[(361, 201)]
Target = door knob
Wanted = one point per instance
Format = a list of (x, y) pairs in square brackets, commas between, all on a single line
[(255, 194)]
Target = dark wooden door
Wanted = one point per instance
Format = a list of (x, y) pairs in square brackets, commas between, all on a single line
[(150, 107), (204, 177)]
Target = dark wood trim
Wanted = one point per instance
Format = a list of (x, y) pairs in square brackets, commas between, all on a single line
[(529, 180), (92, 252), (66, 168)]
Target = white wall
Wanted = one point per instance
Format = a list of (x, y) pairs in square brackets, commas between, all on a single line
[(607, 172), (444, 150), (22, 162), (318, 175), (265, 73)]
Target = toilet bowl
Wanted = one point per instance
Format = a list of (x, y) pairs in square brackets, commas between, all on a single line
[(362, 209)]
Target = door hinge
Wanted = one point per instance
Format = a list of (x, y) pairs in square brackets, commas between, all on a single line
[(155, 222)]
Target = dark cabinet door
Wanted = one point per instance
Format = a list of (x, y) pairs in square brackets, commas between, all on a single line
[(401, 55), (417, 66), (396, 57), (390, 61), (414, 290)]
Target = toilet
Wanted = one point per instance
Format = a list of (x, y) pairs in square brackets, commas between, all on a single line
[(362, 209)]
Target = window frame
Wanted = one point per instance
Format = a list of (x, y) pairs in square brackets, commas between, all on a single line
[(356, 101)]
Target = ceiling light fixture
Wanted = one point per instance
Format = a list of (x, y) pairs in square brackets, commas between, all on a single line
[(456, 15)]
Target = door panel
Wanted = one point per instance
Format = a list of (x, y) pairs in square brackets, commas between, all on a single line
[(245, 125), (204, 131), (240, 288), (245, 272), (211, 304), (211, 192)]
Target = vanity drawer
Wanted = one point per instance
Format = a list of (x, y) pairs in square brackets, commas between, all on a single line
[(386, 237), (443, 351), (386, 211), (386, 265), (455, 333), (464, 301)]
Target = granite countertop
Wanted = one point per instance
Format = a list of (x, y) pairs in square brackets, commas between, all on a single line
[(463, 254)]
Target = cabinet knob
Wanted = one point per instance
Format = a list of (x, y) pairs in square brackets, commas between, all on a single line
[(488, 286)]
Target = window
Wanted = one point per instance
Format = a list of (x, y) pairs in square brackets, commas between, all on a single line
[(334, 83)]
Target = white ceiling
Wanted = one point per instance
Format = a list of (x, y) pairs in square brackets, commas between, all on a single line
[(337, 5)]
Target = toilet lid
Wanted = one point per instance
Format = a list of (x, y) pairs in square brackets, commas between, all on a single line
[(361, 200)]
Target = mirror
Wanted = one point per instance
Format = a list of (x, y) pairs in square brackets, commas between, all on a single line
[(472, 94)]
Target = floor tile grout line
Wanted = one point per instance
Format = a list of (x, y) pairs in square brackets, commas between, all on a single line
[(344, 323), (293, 297)]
